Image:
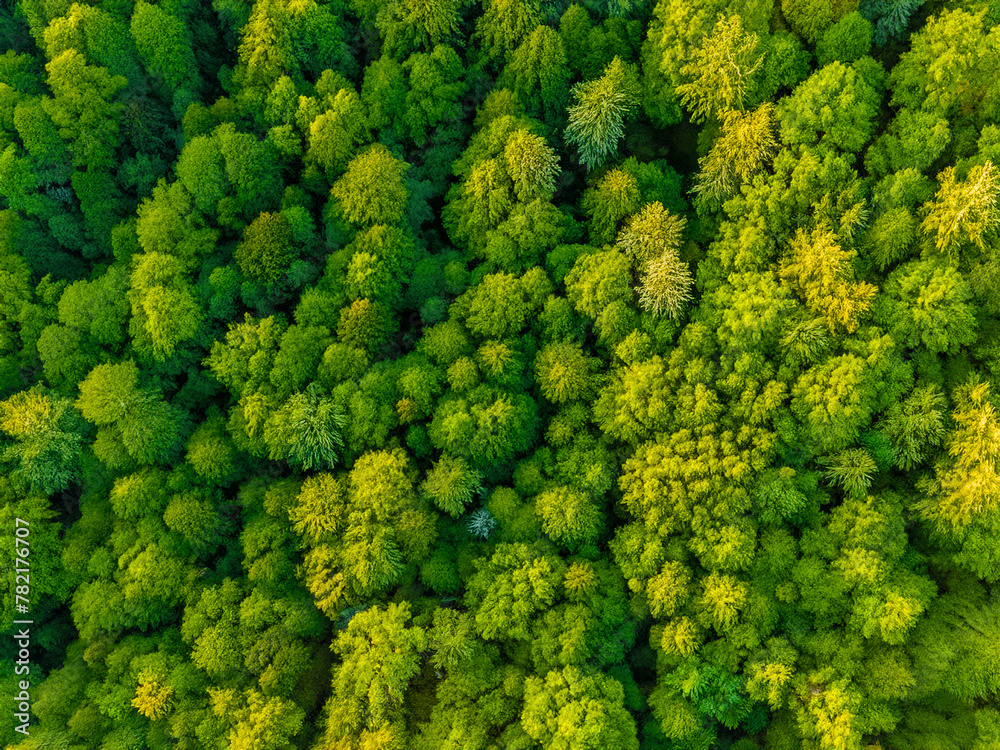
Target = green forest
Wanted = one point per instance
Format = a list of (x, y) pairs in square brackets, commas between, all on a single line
[(500, 374)]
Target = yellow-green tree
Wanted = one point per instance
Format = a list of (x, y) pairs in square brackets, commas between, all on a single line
[(964, 211), (720, 73)]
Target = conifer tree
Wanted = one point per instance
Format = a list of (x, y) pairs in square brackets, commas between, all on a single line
[(721, 71), (666, 285), (597, 119), (743, 149), (966, 485), (965, 211)]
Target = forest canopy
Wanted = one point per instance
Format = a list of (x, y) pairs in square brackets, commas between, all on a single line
[(501, 375)]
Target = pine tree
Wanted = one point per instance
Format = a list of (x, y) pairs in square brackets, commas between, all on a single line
[(966, 485), (651, 232), (721, 71), (597, 119), (916, 425), (666, 285), (852, 469), (964, 211), (743, 149), (820, 268)]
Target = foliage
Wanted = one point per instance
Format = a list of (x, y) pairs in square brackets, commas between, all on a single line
[(721, 71), (597, 119), (514, 374)]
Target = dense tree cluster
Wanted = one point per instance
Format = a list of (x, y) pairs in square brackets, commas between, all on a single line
[(607, 375)]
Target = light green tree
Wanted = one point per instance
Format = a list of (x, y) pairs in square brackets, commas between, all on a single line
[(380, 655), (573, 709), (963, 212), (744, 148), (597, 119), (372, 190), (666, 285), (720, 74), (48, 441)]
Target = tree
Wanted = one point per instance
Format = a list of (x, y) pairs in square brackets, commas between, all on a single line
[(499, 306), (265, 50), (253, 170), (743, 149), (384, 94), (963, 212), (365, 324), (819, 266), (386, 528), (837, 106), (436, 86), (599, 286), (446, 342), (319, 511), (406, 25), (266, 250), (101, 205), (380, 653), (927, 303), (891, 18), (511, 587), (965, 484), (597, 119), (834, 401), (651, 232), (267, 723), (666, 285), (489, 428), (609, 201), (564, 372), (211, 452), (571, 709), (133, 420), (48, 439), (83, 109), (532, 165), (100, 36), (914, 140), (41, 139), (847, 40), (949, 69), (244, 360), (164, 46), (372, 191), (307, 431), (49, 578), (451, 484), (164, 309), (538, 72), (852, 469), (505, 24), (335, 130), (676, 30), (298, 356), (381, 260), (916, 425), (569, 516), (166, 223), (201, 170), (720, 74)]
